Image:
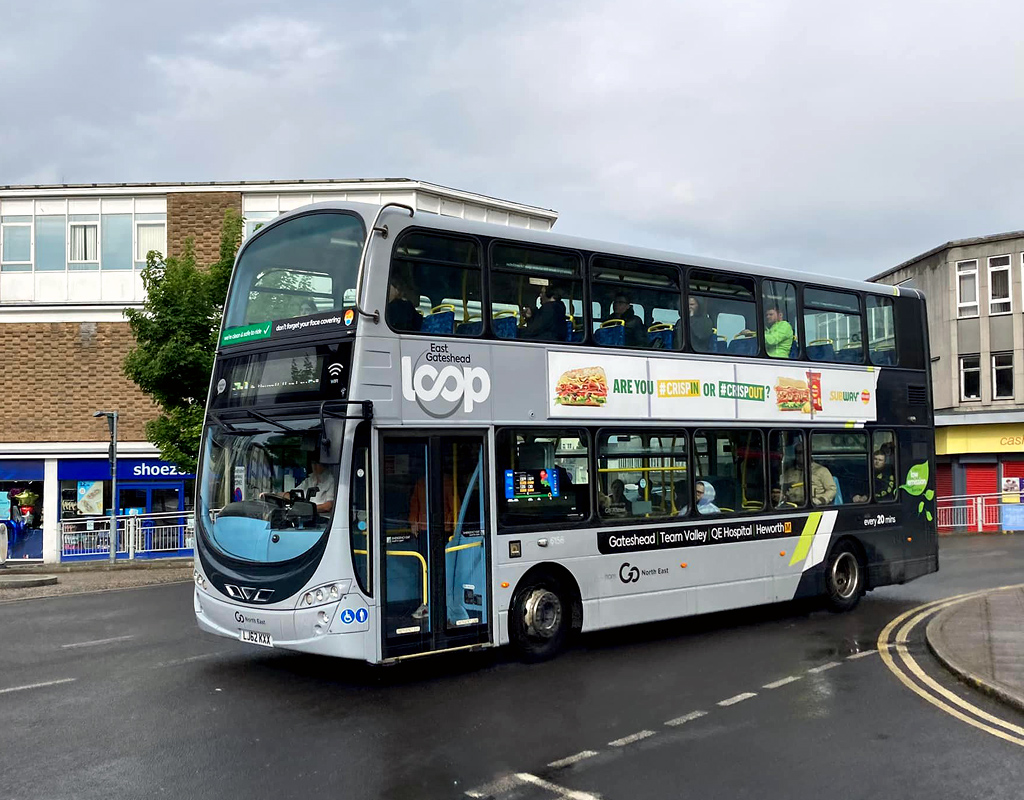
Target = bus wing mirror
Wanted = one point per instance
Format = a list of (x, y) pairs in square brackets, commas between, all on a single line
[(331, 440)]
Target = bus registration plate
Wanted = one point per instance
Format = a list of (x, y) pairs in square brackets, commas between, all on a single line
[(256, 637)]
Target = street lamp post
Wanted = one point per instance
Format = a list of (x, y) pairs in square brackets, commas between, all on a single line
[(112, 452)]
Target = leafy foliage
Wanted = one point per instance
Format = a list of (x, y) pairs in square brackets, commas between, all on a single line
[(175, 340)]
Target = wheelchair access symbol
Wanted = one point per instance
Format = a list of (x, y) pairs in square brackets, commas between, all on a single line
[(360, 615)]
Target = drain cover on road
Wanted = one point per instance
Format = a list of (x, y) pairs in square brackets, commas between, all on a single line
[(26, 581)]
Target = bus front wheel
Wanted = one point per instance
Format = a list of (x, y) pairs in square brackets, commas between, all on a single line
[(540, 619), (844, 578)]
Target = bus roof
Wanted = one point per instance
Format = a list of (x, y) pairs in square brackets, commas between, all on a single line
[(457, 225)]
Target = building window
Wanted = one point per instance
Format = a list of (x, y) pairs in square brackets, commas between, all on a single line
[(999, 285), (16, 243), (970, 377), (967, 288), (84, 241), (1002, 376)]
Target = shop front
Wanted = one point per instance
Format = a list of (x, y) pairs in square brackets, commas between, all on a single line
[(21, 508), (154, 497)]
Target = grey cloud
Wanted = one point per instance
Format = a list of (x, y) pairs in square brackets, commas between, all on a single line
[(840, 140)]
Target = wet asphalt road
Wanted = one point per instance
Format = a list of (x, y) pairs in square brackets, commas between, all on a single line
[(150, 707)]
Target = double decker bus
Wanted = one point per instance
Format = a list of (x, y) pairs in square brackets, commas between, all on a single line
[(427, 434)]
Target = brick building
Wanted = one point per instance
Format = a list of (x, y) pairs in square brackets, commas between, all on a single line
[(70, 264)]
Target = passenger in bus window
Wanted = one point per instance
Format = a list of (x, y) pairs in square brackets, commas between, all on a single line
[(705, 494), (549, 321), (308, 307), (823, 485), (617, 504), (401, 311), (700, 326), (778, 334), (622, 308), (884, 477)]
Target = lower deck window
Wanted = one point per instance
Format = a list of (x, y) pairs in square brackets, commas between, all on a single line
[(544, 476), (642, 475)]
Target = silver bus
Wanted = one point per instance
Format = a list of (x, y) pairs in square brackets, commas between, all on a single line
[(425, 434)]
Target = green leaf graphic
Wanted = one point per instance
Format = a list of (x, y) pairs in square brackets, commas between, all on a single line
[(917, 479), (929, 495), (928, 515), (920, 507)]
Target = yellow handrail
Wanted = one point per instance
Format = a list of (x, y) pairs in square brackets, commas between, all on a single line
[(659, 326), (443, 307), (463, 547), (423, 565), (612, 323)]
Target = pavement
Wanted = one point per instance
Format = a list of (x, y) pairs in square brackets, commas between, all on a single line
[(981, 640), (26, 581), (116, 694)]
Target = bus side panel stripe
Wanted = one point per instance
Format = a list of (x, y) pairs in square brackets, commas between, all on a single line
[(803, 546), (819, 547)]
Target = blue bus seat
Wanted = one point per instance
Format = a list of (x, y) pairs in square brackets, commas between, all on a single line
[(745, 346), (794, 350), (660, 336), (441, 319), (850, 355), (473, 328), (505, 325), (611, 333), (884, 357), (839, 492), (821, 350)]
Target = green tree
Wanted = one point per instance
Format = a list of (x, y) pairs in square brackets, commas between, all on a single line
[(175, 340)]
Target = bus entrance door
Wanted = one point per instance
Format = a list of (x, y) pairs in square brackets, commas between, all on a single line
[(436, 548)]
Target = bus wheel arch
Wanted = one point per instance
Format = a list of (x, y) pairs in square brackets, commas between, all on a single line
[(546, 607), (845, 574)]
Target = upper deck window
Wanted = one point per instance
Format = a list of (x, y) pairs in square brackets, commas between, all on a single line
[(832, 326), (306, 265), (435, 286), (722, 313), (635, 304), (536, 294)]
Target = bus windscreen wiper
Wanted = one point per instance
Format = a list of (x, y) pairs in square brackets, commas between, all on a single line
[(265, 418), (231, 430)]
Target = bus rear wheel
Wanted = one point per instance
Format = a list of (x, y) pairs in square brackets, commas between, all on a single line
[(844, 578), (540, 619)]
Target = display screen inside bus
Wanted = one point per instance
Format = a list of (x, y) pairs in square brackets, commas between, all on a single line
[(531, 484)]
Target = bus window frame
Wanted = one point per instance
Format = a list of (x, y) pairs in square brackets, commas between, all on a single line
[(609, 431), (586, 522), (582, 276), (766, 500), (861, 303), (756, 298), (482, 265), (272, 225), (880, 300), (664, 266)]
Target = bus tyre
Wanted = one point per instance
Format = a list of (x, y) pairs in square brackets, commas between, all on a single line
[(844, 578), (539, 620)]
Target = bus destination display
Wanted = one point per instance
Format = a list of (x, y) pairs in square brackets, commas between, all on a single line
[(531, 484)]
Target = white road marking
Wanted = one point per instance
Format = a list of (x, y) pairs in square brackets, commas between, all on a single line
[(737, 699), (855, 656), (179, 661), (823, 667), (37, 685), (633, 737), (570, 760), (687, 718), (497, 788), (95, 642), (781, 682), (561, 791)]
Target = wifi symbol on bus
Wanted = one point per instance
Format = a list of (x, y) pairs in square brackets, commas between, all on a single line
[(334, 370)]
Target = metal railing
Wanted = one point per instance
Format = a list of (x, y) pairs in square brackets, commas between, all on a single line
[(979, 512), (147, 535)]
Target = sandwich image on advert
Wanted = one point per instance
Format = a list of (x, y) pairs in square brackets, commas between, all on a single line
[(793, 394), (582, 387)]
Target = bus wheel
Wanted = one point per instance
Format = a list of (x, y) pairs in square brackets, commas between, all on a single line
[(539, 620), (844, 578)]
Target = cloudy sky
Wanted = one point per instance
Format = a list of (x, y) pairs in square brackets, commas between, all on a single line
[(834, 137)]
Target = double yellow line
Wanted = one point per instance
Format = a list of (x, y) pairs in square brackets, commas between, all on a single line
[(927, 687)]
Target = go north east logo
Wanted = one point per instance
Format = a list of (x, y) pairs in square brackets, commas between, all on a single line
[(441, 391)]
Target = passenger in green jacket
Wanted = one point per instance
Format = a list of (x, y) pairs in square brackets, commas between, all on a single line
[(778, 334)]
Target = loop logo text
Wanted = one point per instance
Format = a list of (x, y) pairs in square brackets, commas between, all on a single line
[(441, 391)]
